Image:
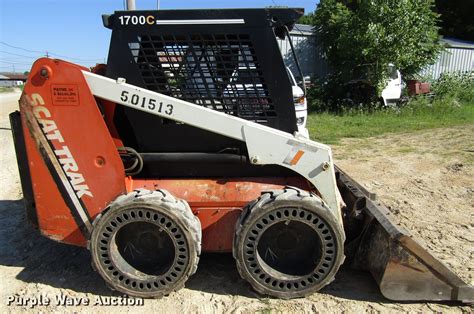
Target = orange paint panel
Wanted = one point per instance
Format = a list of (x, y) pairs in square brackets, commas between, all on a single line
[(217, 227), (217, 202), (230, 192), (70, 118)]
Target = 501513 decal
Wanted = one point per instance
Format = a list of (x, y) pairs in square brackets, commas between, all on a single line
[(146, 103)]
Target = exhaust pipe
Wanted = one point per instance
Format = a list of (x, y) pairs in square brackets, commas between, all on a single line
[(131, 5)]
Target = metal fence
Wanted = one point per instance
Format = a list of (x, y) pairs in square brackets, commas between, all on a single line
[(308, 52), (451, 60)]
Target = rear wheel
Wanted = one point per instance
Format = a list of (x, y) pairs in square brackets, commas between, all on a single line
[(147, 244), (288, 244)]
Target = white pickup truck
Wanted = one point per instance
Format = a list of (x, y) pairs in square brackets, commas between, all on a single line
[(360, 89), (393, 90), (301, 105)]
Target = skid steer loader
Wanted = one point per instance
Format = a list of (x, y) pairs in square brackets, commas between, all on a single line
[(164, 152)]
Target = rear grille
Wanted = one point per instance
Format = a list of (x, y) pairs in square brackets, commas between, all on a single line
[(220, 72)]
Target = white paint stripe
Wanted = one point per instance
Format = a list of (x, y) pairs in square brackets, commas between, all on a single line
[(302, 146), (290, 155), (195, 22), (268, 144)]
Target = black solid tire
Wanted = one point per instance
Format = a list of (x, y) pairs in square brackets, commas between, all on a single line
[(163, 213), (288, 206)]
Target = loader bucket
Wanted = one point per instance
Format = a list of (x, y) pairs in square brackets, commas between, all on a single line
[(403, 269)]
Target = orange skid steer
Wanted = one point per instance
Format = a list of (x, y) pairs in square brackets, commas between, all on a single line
[(185, 142)]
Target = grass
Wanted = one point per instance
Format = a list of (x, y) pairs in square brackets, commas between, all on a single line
[(6, 89), (11, 89), (330, 128), (406, 149)]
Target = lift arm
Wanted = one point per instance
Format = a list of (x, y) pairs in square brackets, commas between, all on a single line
[(265, 145)]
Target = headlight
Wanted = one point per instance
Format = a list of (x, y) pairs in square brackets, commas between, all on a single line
[(300, 121), (299, 100)]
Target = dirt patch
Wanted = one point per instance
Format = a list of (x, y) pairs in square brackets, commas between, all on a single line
[(426, 178)]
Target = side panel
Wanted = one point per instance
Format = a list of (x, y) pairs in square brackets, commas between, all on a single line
[(265, 145), (218, 202), (74, 165)]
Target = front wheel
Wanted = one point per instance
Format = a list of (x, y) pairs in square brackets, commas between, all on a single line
[(147, 244), (288, 244)]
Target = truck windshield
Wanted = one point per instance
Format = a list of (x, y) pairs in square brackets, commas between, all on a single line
[(303, 85)]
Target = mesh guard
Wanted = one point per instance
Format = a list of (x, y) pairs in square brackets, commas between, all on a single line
[(220, 72), (235, 68)]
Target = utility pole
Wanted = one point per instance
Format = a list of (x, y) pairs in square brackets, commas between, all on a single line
[(158, 4), (131, 5)]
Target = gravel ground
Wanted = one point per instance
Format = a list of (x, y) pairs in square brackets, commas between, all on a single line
[(426, 179)]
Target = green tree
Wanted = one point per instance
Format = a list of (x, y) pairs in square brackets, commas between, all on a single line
[(307, 19), (375, 33)]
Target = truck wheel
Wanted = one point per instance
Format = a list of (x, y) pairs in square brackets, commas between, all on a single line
[(146, 244), (288, 244)]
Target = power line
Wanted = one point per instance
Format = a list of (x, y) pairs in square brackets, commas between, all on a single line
[(71, 58), (13, 62), (27, 50), (50, 53), (15, 54)]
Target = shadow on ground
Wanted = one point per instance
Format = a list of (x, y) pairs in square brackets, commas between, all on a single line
[(67, 267), (44, 261), (218, 274)]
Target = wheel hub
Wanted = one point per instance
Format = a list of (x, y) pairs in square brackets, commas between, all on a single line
[(143, 250), (289, 249), (146, 247)]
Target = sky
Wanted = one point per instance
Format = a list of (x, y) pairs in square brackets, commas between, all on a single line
[(72, 29)]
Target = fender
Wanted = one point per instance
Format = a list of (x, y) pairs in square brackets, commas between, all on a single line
[(69, 165)]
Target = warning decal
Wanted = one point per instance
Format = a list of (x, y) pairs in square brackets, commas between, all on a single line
[(65, 95)]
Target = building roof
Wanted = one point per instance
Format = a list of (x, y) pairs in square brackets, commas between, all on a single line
[(302, 29), (458, 43)]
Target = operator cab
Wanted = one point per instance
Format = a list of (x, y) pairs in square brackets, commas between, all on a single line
[(226, 60)]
